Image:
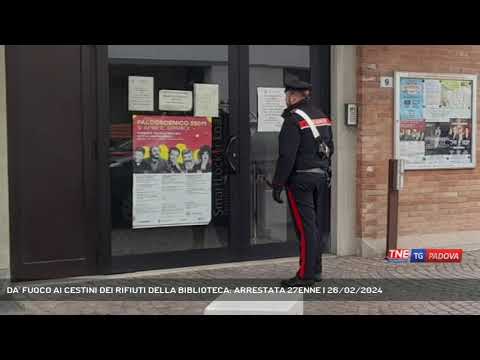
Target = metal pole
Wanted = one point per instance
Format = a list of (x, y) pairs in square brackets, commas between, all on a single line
[(392, 215)]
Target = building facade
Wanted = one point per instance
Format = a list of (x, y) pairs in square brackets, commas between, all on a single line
[(82, 133), (438, 208)]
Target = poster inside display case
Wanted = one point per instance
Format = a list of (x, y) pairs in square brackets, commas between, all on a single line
[(435, 120)]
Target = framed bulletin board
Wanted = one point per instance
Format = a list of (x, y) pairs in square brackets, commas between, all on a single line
[(435, 120)]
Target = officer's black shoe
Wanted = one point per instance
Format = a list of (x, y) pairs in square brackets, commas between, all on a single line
[(297, 282), (317, 277)]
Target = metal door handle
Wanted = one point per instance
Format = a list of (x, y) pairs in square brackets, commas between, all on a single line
[(232, 156)]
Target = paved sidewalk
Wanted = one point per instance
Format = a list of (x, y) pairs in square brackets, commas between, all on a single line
[(334, 268)]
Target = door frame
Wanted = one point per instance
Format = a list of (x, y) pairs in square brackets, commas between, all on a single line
[(239, 243), (19, 269)]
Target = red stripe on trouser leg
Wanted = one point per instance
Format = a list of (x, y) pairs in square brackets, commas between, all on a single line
[(301, 231)]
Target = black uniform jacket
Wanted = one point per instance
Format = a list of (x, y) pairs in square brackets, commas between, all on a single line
[(297, 147)]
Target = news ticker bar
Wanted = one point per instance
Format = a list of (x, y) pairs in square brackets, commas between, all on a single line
[(248, 289), (425, 255)]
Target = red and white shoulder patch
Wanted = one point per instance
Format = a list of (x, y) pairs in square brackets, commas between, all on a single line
[(317, 122)]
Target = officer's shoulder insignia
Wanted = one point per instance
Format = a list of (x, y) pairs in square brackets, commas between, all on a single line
[(325, 121)]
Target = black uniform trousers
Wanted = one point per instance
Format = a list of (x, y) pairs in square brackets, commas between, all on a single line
[(307, 194)]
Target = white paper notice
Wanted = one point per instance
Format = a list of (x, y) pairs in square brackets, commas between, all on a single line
[(434, 112), (271, 104), (457, 97), (438, 113), (413, 152), (412, 149), (175, 100), (206, 100), (140, 93), (433, 93), (171, 200)]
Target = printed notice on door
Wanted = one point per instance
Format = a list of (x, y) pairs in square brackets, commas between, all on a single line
[(206, 100), (172, 172), (140, 93), (271, 104), (175, 100)]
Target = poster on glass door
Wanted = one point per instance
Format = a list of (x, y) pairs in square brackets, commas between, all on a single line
[(172, 171)]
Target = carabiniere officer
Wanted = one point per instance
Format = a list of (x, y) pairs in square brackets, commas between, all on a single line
[(303, 170)]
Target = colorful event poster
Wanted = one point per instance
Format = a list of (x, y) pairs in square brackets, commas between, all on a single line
[(411, 99), (172, 170), (436, 138), (412, 130), (460, 137)]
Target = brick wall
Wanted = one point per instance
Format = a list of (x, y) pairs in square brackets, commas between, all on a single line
[(433, 201)]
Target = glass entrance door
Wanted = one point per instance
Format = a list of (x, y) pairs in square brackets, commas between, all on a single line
[(269, 67), (172, 153), (192, 136)]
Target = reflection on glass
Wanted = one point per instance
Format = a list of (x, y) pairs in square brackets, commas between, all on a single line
[(176, 69), (270, 66)]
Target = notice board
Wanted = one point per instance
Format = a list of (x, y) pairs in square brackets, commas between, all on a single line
[(435, 120)]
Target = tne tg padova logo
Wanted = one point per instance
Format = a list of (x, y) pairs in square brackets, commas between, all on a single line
[(424, 255)]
